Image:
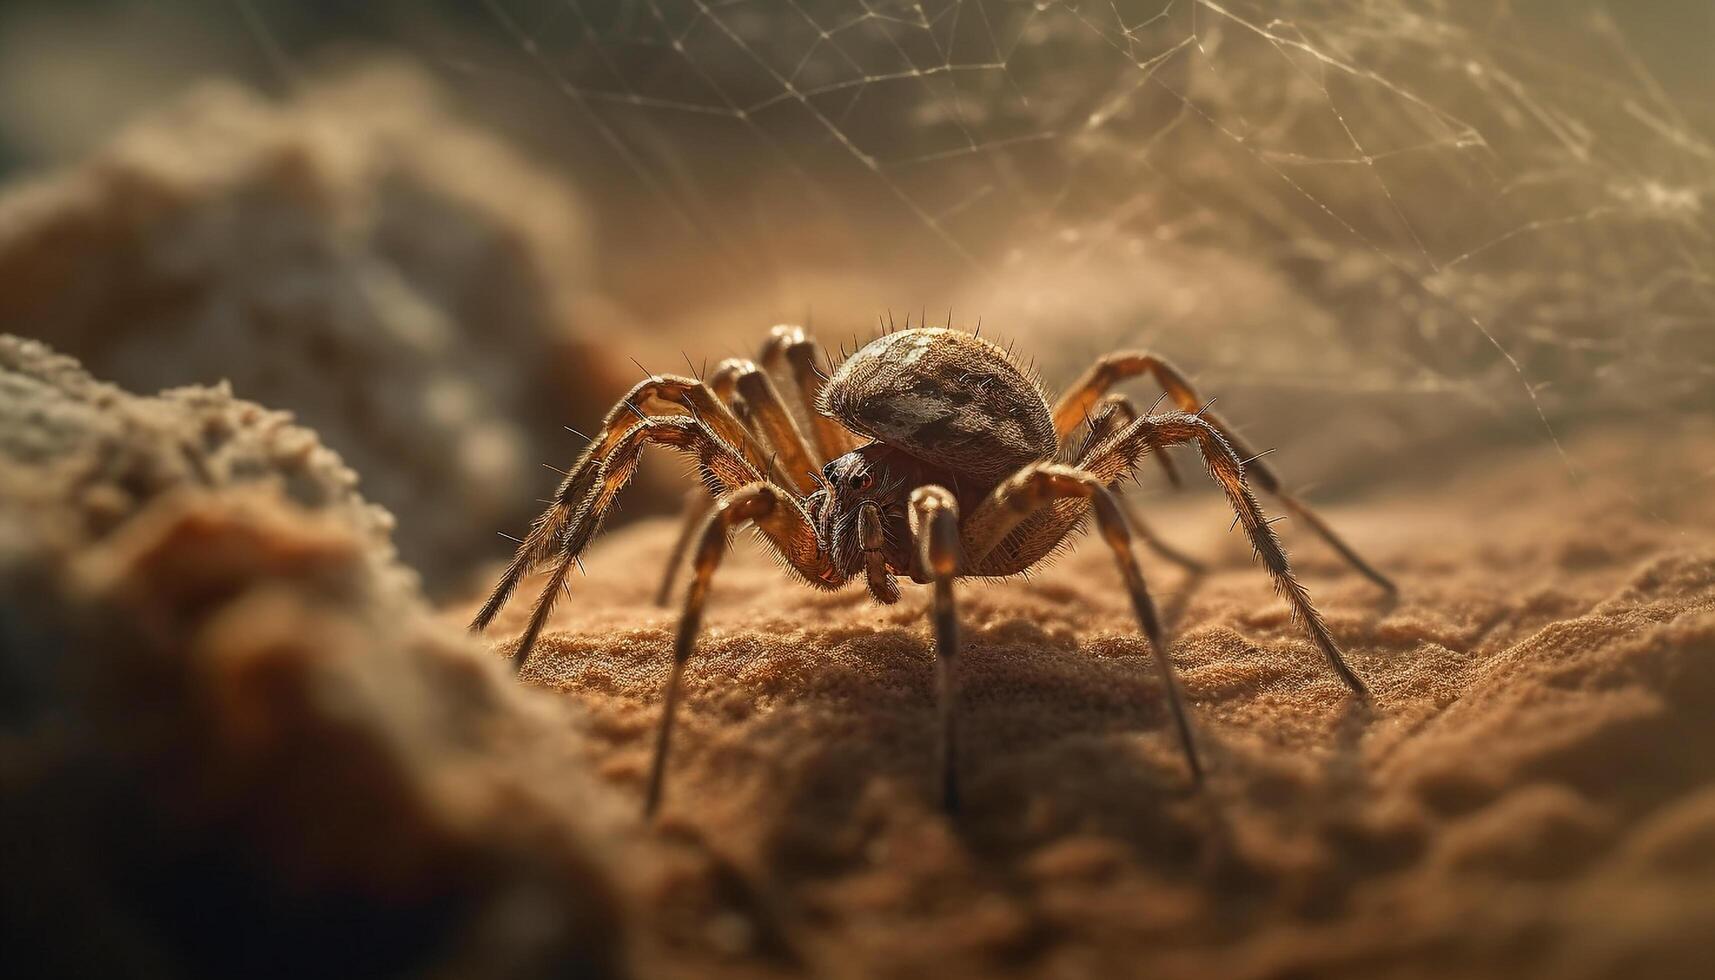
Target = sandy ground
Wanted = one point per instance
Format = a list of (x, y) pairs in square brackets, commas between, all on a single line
[(238, 741), (1532, 793)]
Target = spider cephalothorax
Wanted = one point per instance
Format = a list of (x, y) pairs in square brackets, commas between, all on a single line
[(970, 472), (866, 491)]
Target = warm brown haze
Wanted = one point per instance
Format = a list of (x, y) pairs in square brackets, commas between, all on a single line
[(742, 364)]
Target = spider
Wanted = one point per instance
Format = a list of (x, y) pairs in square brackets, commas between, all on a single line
[(968, 471)]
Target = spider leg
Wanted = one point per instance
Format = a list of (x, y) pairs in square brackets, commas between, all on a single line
[(571, 498), (1113, 413), (1042, 485), (588, 493), (722, 468), (935, 528), (770, 418), (1116, 367), (756, 402), (697, 506), (1121, 452), (785, 527), (793, 346)]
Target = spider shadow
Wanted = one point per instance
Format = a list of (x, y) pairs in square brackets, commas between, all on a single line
[(1063, 744), (1056, 741), (1172, 611)]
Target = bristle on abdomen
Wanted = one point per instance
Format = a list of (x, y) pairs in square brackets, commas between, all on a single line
[(946, 397)]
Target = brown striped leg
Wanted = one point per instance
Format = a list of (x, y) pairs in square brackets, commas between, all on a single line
[(791, 345), (769, 418), (1088, 390), (738, 384), (935, 526), (722, 469), (1113, 413), (697, 506), (784, 526), (1043, 484), (755, 401), (648, 399), (1123, 450)]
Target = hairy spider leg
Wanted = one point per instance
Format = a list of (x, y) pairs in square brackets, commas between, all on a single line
[(554, 524), (1120, 453), (754, 399), (1113, 413), (738, 382), (787, 528), (722, 468), (935, 527), (586, 495), (1040, 485), (792, 347), (1110, 414), (1113, 368), (769, 418)]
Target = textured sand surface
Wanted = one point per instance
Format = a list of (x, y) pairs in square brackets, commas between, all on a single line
[(236, 740), (1532, 794)]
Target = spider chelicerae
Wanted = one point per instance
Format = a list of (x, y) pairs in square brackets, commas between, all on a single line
[(968, 472)]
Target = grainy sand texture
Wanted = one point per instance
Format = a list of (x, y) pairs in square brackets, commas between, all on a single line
[(1532, 793), (239, 741)]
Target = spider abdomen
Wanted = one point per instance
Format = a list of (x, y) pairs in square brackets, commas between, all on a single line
[(946, 397)]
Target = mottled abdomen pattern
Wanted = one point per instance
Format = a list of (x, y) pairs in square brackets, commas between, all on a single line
[(947, 397)]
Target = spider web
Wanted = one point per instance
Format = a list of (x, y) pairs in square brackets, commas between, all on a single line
[(1450, 211)]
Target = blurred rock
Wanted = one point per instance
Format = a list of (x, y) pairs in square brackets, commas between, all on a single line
[(233, 739), (407, 286)]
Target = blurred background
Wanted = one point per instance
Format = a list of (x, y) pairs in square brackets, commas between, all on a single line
[(1389, 235)]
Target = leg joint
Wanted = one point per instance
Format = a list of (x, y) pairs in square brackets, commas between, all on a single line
[(935, 516)]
